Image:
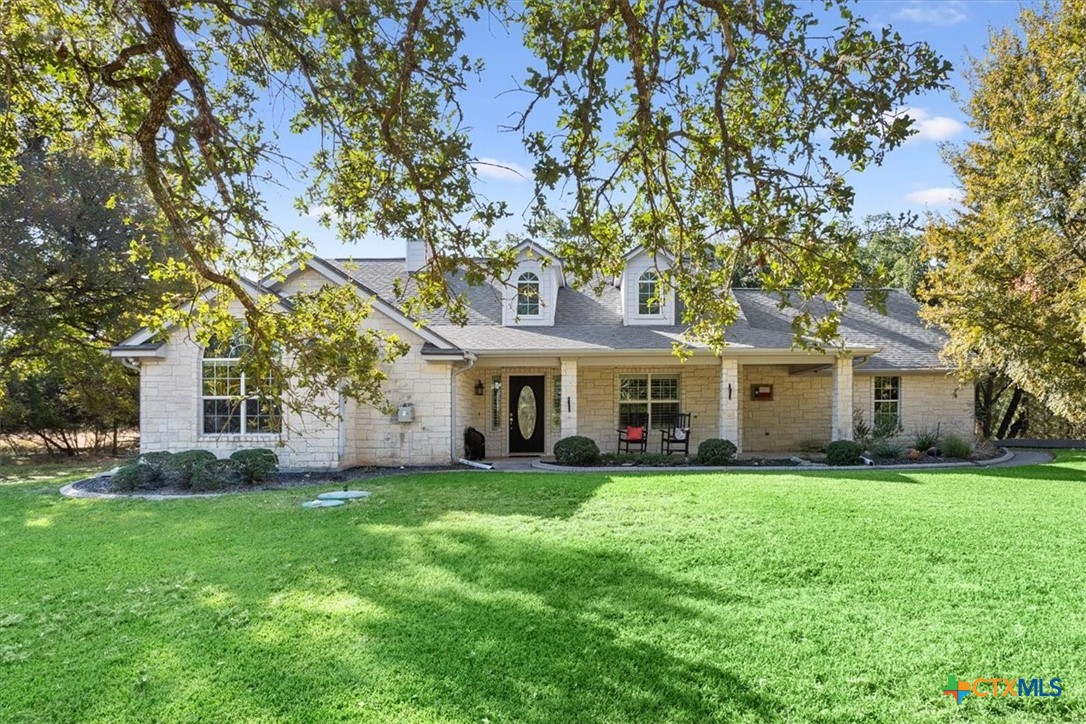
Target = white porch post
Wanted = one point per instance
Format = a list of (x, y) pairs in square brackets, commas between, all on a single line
[(841, 413), (731, 417), (569, 397)]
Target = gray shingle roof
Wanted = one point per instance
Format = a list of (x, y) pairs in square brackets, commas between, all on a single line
[(588, 323)]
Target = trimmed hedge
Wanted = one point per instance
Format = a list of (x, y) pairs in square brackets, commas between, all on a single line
[(134, 476), (256, 464), (576, 450), (843, 452), (161, 462), (215, 475), (182, 464), (716, 451)]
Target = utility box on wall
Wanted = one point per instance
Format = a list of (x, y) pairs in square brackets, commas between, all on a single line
[(405, 412)]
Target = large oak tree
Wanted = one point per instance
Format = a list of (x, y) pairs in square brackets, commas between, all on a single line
[(1010, 287), (717, 130)]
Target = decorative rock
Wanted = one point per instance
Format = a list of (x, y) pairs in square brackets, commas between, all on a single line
[(344, 495), (934, 452), (914, 454), (322, 503)]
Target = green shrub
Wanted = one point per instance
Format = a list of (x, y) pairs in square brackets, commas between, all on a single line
[(955, 446), (257, 464), (160, 461), (843, 452), (182, 464), (887, 449), (925, 438), (715, 451), (576, 450), (134, 476), (215, 475)]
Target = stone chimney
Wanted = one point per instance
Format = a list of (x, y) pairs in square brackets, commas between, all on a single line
[(417, 254)]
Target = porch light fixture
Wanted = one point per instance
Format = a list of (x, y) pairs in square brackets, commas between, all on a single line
[(479, 388)]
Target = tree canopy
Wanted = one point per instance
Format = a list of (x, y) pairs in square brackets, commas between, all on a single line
[(1010, 283), (718, 131)]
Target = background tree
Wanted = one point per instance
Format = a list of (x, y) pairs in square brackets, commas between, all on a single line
[(891, 251), (69, 287), (1010, 287), (715, 130)]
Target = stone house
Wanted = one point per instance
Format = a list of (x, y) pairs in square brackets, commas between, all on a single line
[(539, 360)]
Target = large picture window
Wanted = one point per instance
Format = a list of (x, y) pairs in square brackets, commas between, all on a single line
[(887, 412), (652, 399), (230, 402), (528, 294)]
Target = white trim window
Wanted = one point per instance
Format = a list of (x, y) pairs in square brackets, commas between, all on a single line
[(528, 294), (652, 399), (229, 402), (886, 405), (556, 401), (648, 298), (496, 402)]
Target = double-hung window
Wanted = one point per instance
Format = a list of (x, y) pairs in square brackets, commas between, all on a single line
[(230, 402), (652, 400), (887, 400)]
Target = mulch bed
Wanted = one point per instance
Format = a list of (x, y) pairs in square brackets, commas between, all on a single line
[(280, 481)]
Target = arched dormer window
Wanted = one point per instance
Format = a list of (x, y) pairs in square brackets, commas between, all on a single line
[(528, 294), (648, 298)]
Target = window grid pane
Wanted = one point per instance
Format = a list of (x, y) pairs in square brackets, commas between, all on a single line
[(222, 378), (221, 416), (887, 404), (528, 294), (633, 388), (261, 416)]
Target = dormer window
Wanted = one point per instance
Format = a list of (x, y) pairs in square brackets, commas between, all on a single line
[(648, 301), (528, 294)]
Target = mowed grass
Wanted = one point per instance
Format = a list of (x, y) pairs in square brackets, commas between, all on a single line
[(482, 597)]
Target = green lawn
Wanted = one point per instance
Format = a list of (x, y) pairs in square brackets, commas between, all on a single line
[(502, 597)]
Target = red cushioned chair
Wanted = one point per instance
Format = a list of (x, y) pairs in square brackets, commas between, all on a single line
[(635, 436)]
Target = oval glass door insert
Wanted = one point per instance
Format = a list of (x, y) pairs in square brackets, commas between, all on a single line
[(526, 412)]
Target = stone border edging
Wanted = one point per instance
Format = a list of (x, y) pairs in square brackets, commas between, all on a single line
[(553, 468), (70, 491)]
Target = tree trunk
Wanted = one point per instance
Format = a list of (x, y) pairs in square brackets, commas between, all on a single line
[(113, 447), (1008, 416)]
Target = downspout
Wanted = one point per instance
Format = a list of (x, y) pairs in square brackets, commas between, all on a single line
[(454, 376)]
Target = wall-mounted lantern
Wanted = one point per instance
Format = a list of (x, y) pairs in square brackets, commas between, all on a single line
[(479, 388)]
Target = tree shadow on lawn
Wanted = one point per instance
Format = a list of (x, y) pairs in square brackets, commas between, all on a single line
[(499, 627), (424, 498)]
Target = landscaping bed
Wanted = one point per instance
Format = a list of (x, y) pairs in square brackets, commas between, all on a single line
[(276, 481)]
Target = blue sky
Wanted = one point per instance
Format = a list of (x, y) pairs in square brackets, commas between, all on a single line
[(913, 177)]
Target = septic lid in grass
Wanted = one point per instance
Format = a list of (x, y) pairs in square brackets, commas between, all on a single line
[(321, 503), (344, 495)]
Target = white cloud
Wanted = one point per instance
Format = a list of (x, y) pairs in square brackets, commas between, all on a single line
[(937, 196), (315, 212), (942, 14), (928, 127), (501, 170)]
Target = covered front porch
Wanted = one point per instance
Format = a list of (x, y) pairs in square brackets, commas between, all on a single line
[(763, 403)]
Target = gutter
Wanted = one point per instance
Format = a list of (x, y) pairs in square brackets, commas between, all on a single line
[(453, 377)]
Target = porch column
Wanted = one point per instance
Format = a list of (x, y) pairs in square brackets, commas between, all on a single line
[(569, 397), (731, 398), (841, 412)]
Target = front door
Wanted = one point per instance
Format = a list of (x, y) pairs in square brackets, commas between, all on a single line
[(526, 414)]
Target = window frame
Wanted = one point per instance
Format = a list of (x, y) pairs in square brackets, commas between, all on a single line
[(556, 401), (495, 403), (526, 298), (653, 305), (895, 386), (239, 403), (649, 401)]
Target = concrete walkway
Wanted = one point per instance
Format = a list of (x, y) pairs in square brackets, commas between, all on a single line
[(1026, 457)]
